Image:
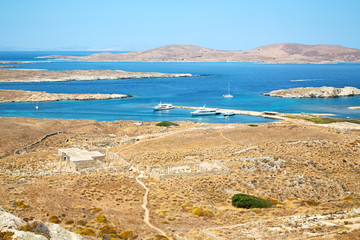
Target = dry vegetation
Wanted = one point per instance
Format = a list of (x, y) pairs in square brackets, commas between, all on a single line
[(310, 172)]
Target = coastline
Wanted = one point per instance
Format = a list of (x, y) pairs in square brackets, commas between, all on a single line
[(31, 75), (7, 96)]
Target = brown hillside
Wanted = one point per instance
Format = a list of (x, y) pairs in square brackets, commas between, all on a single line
[(275, 53)]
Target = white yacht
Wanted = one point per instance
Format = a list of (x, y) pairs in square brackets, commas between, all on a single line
[(163, 106), (201, 111), (228, 95), (229, 114)]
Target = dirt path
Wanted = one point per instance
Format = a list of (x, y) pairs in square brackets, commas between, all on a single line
[(146, 216)]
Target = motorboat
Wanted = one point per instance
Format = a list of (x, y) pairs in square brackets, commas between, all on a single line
[(202, 111), (163, 106), (229, 114), (228, 95)]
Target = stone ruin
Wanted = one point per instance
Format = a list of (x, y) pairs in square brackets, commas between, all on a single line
[(190, 169), (78, 159)]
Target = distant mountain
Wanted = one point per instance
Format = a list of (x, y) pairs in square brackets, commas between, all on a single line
[(275, 53)]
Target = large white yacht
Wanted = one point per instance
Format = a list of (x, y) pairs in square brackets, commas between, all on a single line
[(163, 106), (201, 111)]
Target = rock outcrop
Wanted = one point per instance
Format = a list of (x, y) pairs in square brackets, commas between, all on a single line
[(36, 75), (315, 92), (30, 96), (355, 108), (11, 223)]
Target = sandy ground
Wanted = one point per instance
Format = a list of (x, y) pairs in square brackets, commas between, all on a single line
[(311, 172)]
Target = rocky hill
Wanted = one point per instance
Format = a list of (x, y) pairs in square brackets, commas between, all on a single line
[(31, 96), (315, 92), (275, 53)]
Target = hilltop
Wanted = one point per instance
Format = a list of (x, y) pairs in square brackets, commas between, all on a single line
[(275, 53)]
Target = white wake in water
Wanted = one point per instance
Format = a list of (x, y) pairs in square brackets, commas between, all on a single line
[(305, 80)]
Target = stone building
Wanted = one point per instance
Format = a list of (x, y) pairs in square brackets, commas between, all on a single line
[(77, 159)]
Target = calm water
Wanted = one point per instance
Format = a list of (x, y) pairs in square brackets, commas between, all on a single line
[(247, 81)]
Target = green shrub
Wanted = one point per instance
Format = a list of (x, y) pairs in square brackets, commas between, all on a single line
[(166, 124), (253, 125), (246, 201)]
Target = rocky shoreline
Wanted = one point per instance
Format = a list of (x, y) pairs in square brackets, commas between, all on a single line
[(36, 75), (315, 92), (31, 96)]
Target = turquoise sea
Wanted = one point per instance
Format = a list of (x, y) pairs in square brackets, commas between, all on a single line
[(247, 80)]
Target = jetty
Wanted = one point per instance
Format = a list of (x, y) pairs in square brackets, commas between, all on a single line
[(264, 114)]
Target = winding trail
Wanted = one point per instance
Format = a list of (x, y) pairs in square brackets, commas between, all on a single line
[(146, 216)]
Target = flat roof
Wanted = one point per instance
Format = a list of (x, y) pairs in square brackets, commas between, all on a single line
[(77, 154)]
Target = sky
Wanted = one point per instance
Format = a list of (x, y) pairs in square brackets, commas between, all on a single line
[(131, 25)]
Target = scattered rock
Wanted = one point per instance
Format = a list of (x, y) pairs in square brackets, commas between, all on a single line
[(11, 223)]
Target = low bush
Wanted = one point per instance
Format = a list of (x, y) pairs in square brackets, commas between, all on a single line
[(20, 204), (160, 237), (54, 219), (309, 203), (166, 124), (247, 201), (101, 219), (68, 222), (127, 235), (86, 231), (81, 222), (201, 213), (6, 235), (107, 232), (37, 228)]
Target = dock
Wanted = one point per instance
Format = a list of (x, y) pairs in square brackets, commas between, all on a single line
[(264, 114)]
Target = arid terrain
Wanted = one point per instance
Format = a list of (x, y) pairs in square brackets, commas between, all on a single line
[(33, 96), (36, 75), (309, 171), (275, 53)]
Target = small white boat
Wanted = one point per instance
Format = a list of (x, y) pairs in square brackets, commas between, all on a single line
[(228, 95), (163, 106), (202, 111), (228, 114), (36, 107)]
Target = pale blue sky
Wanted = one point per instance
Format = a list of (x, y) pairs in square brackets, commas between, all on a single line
[(144, 24)]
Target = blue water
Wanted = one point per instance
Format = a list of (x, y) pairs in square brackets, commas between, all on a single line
[(247, 80)]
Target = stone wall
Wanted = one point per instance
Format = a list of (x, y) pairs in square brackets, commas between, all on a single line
[(190, 169), (119, 158)]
